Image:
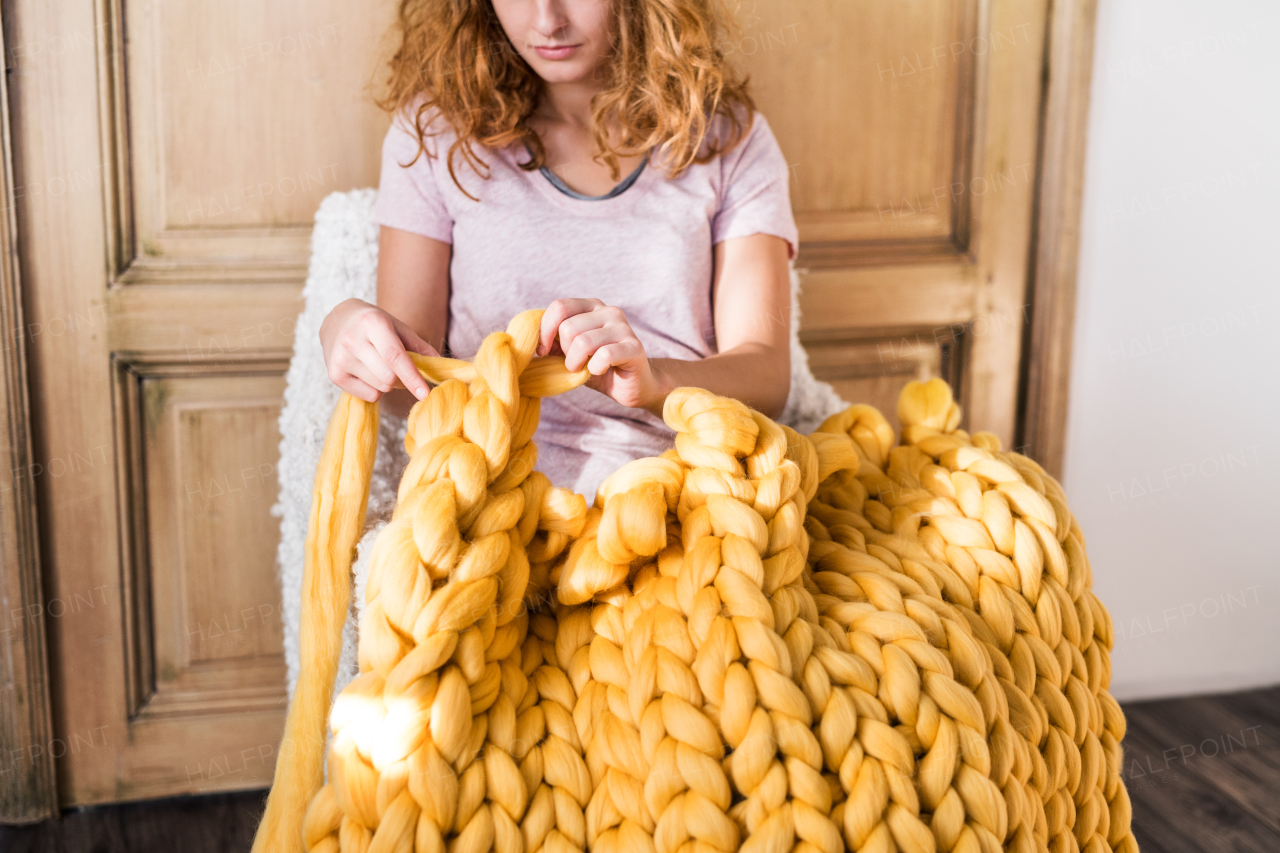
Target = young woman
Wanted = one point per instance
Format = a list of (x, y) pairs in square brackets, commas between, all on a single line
[(602, 160)]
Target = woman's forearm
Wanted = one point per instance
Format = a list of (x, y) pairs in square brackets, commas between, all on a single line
[(755, 374)]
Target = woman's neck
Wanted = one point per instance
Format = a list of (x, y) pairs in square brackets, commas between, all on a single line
[(562, 120), (567, 103)]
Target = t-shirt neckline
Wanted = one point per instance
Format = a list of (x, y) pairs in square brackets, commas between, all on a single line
[(618, 188), (590, 206)]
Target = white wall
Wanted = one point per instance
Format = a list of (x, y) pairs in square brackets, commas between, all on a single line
[(1173, 436)]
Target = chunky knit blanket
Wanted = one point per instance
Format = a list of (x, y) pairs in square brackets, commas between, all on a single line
[(344, 261), (759, 640)]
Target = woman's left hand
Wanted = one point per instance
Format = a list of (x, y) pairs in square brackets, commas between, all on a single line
[(591, 333)]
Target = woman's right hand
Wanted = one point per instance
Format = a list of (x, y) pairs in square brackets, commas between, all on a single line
[(365, 351)]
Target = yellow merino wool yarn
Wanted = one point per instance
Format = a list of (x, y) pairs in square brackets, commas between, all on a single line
[(756, 641), (960, 575)]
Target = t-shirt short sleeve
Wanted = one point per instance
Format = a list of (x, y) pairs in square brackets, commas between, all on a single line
[(409, 197), (756, 197)]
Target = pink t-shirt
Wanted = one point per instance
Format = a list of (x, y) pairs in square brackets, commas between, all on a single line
[(647, 250)]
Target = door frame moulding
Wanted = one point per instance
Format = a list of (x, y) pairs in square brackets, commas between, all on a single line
[(1045, 366), (28, 783)]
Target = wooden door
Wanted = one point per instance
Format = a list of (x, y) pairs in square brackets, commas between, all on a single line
[(911, 129), (168, 160), (170, 157)]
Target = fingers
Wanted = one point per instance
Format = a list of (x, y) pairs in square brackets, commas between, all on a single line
[(555, 316), (392, 362), (606, 317), (356, 388), (365, 354), (583, 344), (368, 366), (616, 354), (348, 373)]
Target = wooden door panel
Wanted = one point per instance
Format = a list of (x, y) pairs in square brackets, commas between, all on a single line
[(911, 130), (241, 116), (863, 151), (871, 366), (200, 442)]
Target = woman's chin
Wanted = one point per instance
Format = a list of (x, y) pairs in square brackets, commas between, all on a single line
[(552, 71)]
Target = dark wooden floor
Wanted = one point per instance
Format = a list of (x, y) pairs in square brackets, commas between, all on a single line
[(1203, 774), (217, 823)]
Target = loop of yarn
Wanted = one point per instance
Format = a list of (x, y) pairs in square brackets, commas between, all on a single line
[(756, 641)]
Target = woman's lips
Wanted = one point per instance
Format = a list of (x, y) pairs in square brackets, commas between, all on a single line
[(556, 52)]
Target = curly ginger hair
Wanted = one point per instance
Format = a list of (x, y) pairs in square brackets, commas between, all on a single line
[(665, 79)]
